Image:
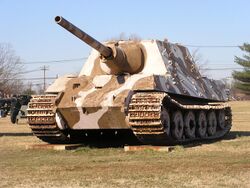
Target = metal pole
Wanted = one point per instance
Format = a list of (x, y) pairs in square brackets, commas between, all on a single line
[(44, 69)]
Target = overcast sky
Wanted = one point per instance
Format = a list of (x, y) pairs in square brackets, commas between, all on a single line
[(29, 26)]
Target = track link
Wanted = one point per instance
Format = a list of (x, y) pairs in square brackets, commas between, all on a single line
[(145, 110), (41, 119)]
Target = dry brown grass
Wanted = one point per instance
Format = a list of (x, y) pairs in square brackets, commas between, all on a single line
[(224, 163)]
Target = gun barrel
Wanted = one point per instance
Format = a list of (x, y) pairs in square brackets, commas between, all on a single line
[(105, 51)]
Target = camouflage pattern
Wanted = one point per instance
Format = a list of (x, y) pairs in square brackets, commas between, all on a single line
[(99, 97)]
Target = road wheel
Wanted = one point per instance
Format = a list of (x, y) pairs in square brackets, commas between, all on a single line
[(201, 124), (221, 120), (165, 120), (189, 124), (178, 125), (212, 123)]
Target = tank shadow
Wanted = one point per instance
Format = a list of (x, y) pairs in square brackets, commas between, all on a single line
[(16, 134), (235, 134), (230, 136), (119, 142), (109, 142)]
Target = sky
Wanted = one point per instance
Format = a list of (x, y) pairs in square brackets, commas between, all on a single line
[(30, 28)]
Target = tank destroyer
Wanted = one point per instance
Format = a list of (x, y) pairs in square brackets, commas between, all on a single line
[(149, 88)]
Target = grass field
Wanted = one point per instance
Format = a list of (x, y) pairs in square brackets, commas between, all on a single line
[(224, 163)]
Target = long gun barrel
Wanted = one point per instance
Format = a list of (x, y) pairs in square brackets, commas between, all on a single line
[(115, 59), (103, 50)]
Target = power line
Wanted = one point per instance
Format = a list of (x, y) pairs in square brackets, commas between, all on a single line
[(230, 68), (29, 71), (52, 78), (39, 78), (211, 46), (84, 58), (55, 61)]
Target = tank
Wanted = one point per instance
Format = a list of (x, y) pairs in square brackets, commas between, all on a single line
[(150, 90)]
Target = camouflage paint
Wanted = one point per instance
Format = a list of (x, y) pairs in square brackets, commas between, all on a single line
[(96, 99)]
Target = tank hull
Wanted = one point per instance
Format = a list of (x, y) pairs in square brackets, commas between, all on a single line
[(144, 116), (102, 102), (167, 102), (101, 105)]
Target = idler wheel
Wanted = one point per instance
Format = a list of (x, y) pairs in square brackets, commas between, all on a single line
[(189, 124), (221, 120), (165, 120), (212, 123), (178, 125), (201, 125)]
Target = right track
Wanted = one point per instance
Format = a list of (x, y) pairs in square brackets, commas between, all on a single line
[(156, 118)]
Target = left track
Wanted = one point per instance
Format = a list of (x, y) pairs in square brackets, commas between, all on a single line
[(41, 119)]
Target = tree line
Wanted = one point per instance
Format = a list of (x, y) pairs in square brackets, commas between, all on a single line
[(10, 68), (242, 78)]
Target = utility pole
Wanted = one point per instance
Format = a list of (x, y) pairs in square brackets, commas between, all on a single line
[(44, 69), (30, 87)]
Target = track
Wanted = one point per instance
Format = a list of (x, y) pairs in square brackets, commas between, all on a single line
[(41, 119), (156, 118)]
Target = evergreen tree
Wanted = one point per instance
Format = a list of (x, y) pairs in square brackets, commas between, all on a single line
[(242, 78)]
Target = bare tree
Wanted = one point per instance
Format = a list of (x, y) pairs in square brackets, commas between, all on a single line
[(28, 89), (123, 36), (134, 37), (39, 89), (200, 62), (10, 67)]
